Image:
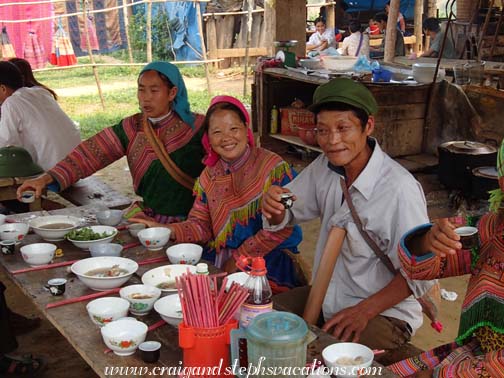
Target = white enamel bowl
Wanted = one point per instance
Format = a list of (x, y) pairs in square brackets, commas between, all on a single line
[(85, 244), (107, 249), (140, 297), (105, 310), (166, 275), (38, 253), (170, 309), (124, 336), (154, 238), (109, 217), (38, 225), (334, 354), (14, 231), (82, 267), (184, 253)]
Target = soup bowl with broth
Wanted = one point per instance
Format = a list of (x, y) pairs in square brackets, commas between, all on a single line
[(54, 227), (104, 273)]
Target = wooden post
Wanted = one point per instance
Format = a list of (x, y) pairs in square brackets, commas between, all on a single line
[(149, 31), (203, 47), (126, 29), (330, 19), (247, 44), (211, 34), (90, 53), (270, 17), (323, 276), (418, 26), (391, 34)]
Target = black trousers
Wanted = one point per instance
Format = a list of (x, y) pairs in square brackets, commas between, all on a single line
[(8, 341)]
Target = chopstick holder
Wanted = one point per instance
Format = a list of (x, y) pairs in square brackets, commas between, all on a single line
[(82, 298), (152, 327), (43, 267)]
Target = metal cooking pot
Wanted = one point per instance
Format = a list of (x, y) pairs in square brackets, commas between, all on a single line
[(483, 180), (457, 159)]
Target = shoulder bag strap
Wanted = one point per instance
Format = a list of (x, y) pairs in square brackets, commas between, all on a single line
[(360, 44), (180, 176), (382, 256)]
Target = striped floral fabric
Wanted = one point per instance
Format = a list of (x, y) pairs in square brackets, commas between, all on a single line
[(160, 192), (482, 309), (226, 214)]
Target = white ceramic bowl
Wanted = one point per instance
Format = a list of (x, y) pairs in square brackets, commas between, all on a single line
[(44, 226), (140, 297), (154, 238), (13, 231), (170, 309), (105, 310), (339, 63), (82, 268), (335, 354), (424, 72), (238, 277), (135, 228), (184, 253), (310, 64), (124, 336), (166, 275), (107, 249), (109, 217), (85, 244), (38, 253)]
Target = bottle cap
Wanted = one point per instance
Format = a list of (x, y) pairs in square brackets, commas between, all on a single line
[(258, 266), (201, 268)]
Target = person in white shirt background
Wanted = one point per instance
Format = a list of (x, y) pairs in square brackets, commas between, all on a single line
[(322, 39), (357, 43), (31, 118)]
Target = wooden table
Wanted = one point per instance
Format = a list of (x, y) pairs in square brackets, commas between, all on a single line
[(73, 322), (8, 187)]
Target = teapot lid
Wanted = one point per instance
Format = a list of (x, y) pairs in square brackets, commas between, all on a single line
[(277, 327), (469, 147)]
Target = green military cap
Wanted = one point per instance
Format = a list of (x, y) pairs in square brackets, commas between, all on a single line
[(17, 162), (346, 91)]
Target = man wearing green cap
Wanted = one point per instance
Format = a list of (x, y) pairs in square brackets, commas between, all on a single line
[(365, 302)]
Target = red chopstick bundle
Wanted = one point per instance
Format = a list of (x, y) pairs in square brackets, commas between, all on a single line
[(203, 305)]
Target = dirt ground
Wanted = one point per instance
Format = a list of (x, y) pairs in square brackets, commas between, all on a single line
[(62, 357)]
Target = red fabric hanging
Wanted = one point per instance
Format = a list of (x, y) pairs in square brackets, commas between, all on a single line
[(62, 53), (33, 51)]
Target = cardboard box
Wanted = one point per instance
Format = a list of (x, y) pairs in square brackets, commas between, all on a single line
[(292, 118)]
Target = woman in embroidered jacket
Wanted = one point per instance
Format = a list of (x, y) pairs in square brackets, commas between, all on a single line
[(164, 107), (435, 252), (226, 215)]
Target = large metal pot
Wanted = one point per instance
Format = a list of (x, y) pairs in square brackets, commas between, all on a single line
[(483, 180), (457, 159)]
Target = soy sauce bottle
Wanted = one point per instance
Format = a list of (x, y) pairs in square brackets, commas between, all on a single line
[(258, 302)]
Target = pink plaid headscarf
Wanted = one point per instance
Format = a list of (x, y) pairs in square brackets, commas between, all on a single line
[(212, 157)]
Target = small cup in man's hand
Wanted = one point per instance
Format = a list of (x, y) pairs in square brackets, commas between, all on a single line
[(468, 237), (287, 200)]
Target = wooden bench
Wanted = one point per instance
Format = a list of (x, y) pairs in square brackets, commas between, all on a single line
[(92, 190)]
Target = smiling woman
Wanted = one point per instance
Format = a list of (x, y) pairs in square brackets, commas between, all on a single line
[(164, 132)]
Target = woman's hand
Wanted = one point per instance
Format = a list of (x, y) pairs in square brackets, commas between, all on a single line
[(147, 222), (272, 207), (441, 239), (37, 184)]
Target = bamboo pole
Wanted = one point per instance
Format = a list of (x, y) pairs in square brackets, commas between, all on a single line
[(391, 34), (247, 45), (126, 29), (149, 31), (90, 53), (203, 47), (417, 47), (323, 276)]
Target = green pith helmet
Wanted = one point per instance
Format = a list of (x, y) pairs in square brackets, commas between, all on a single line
[(17, 162)]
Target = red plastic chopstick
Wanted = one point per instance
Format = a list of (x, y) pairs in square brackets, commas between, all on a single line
[(82, 298), (43, 267)]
